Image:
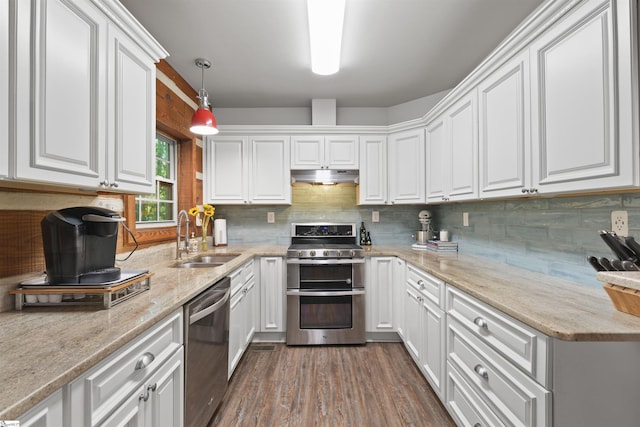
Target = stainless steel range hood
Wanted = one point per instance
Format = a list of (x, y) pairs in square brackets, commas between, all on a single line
[(324, 176)]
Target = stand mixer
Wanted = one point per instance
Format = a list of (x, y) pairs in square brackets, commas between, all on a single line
[(426, 234)]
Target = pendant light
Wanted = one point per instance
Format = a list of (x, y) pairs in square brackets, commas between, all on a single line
[(203, 121)]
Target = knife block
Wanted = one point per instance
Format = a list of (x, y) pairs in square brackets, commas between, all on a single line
[(624, 299)]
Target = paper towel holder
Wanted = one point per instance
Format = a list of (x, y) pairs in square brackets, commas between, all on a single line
[(220, 232)]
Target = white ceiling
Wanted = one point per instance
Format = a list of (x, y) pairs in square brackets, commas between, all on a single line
[(393, 51)]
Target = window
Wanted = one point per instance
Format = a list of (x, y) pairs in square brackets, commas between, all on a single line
[(160, 208)]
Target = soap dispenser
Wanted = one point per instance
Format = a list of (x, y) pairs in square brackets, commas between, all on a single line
[(193, 244)]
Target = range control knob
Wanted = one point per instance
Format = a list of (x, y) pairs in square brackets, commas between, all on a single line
[(299, 254), (353, 253), (325, 253), (312, 253), (339, 253)]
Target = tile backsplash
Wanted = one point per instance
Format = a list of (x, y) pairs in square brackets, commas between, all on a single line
[(548, 235), (317, 203)]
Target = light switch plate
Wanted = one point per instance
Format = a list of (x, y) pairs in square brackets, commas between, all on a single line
[(465, 219), (271, 217), (375, 216)]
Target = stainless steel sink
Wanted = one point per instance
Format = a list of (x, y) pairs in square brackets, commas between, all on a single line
[(206, 261)]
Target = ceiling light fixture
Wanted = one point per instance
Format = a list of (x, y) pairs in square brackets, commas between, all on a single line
[(203, 121), (326, 18)]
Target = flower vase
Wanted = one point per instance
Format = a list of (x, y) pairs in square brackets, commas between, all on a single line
[(205, 225)]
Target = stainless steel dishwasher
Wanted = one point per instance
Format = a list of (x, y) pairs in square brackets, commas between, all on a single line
[(206, 353)]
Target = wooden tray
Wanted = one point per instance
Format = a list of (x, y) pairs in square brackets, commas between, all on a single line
[(105, 295)]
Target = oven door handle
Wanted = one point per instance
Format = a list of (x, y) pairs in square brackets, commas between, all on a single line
[(297, 293), (325, 261), (208, 310)]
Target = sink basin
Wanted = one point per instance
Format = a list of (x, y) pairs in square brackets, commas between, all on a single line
[(206, 261)]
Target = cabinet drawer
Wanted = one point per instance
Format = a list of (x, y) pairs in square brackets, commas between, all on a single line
[(430, 286), (516, 399), (237, 280), (519, 343), (116, 378), (464, 404), (248, 271)]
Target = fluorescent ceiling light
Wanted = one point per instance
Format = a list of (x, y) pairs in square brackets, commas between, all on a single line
[(326, 18)]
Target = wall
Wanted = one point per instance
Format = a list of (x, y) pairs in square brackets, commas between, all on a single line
[(314, 203), (548, 235)]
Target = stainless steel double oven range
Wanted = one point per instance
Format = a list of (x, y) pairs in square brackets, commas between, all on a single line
[(325, 285)]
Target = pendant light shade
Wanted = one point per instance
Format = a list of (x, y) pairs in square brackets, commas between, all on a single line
[(203, 121)]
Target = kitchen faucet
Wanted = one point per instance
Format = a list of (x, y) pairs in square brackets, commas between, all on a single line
[(184, 247)]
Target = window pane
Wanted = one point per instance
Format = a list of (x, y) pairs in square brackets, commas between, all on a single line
[(162, 149), (165, 191), (165, 211), (137, 210), (149, 211), (163, 169)]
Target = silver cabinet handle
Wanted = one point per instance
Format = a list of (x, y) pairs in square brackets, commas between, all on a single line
[(525, 190), (144, 361), (477, 425), (480, 322), (113, 185), (421, 283), (480, 370), (153, 387)]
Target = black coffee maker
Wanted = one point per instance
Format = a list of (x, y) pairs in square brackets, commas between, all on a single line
[(80, 245)]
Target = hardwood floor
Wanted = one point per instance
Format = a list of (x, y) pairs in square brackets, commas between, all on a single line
[(372, 385)]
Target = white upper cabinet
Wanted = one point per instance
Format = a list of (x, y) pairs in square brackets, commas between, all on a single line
[(373, 188), (452, 153), (504, 138), (226, 168), (62, 117), (84, 97), (132, 112), (5, 37), (270, 176), (246, 170), (324, 152), (584, 100), (407, 167)]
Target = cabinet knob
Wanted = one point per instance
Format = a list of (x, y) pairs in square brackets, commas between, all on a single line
[(480, 370), (525, 190), (113, 185), (421, 283), (144, 396), (144, 361), (104, 183), (533, 190), (153, 387), (481, 323), (477, 425)]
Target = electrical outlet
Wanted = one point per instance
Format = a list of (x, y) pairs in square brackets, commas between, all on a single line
[(465, 219), (271, 217), (375, 216), (620, 223)]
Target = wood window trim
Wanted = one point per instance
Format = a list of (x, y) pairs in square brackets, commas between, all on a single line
[(144, 236)]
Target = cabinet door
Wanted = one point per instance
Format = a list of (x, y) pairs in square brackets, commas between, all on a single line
[(272, 295), (341, 152), (504, 130), (462, 134), (130, 413), (61, 131), (236, 330), (307, 152), (373, 170), (47, 413), (407, 167), (227, 170), (5, 84), (165, 406), (438, 161), (270, 172), (432, 361), (399, 280), (412, 308), (578, 72), (379, 296), (132, 116), (251, 311)]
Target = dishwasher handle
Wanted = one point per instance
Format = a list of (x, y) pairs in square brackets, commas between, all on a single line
[(210, 309)]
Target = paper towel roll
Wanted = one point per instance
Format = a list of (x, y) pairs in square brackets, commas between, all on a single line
[(220, 232)]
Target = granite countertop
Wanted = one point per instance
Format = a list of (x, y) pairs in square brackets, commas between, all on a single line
[(45, 348)]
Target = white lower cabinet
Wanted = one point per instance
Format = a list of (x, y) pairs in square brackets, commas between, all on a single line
[(47, 413), (379, 294), (142, 383), (399, 280), (243, 317), (272, 294), (424, 325), (156, 402)]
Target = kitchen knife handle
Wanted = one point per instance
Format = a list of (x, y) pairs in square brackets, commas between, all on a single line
[(617, 265), (629, 266), (621, 251), (631, 243), (606, 264), (595, 264)]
